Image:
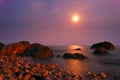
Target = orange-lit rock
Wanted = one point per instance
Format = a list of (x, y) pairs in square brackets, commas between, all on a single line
[(103, 75), (27, 77), (15, 48), (37, 65), (24, 48), (40, 51)]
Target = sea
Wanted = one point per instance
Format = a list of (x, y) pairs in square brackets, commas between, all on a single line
[(97, 64)]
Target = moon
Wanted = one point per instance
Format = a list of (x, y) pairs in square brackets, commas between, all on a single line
[(75, 18)]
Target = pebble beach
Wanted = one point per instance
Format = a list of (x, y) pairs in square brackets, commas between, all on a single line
[(22, 68)]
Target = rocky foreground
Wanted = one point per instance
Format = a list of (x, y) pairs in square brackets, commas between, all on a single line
[(22, 68)]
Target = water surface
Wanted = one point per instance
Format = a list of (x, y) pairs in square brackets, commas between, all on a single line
[(93, 64)]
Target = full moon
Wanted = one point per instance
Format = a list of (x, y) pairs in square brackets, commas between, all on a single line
[(75, 18)]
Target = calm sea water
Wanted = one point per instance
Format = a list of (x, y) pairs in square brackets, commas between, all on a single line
[(93, 64)]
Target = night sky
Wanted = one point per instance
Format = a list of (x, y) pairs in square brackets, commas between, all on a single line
[(49, 21)]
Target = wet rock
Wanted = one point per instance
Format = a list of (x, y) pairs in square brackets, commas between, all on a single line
[(106, 45), (32, 78), (45, 73), (103, 75), (1, 77), (67, 55), (34, 69), (58, 56), (37, 65), (1, 45), (15, 70), (24, 48), (77, 49), (27, 76), (15, 48), (39, 51), (38, 77), (20, 76), (80, 56), (74, 56), (100, 51)]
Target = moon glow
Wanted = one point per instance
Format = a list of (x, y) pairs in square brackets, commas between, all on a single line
[(75, 18)]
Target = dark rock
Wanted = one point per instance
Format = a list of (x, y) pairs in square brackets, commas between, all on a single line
[(100, 51), (38, 77), (106, 45), (15, 48), (67, 55), (58, 56), (1, 45), (40, 51), (74, 56), (77, 49), (80, 56), (116, 77)]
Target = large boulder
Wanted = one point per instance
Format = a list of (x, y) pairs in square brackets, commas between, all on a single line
[(15, 48), (106, 45), (100, 51), (1, 45), (67, 55), (24, 48), (80, 56), (74, 56), (39, 51)]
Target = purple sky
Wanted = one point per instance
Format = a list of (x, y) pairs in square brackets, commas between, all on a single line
[(48, 21)]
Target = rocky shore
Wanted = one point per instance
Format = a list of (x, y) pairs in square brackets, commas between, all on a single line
[(22, 68), (16, 64)]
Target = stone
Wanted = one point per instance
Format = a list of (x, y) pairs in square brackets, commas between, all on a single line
[(27, 76), (78, 56), (45, 73), (67, 55), (1, 45), (103, 75), (100, 51), (77, 49), (106, 45), (20, 76), (24, 48), (38, 77), (32, 78), (58, 56), (37, 65), (15, 48), (40, 51), (1, 77)]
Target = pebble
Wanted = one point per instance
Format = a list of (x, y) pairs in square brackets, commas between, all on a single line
[(21, 68), (37, 65), (27, 76)]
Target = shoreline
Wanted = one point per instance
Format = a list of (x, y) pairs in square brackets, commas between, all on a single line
[(22, 68)]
